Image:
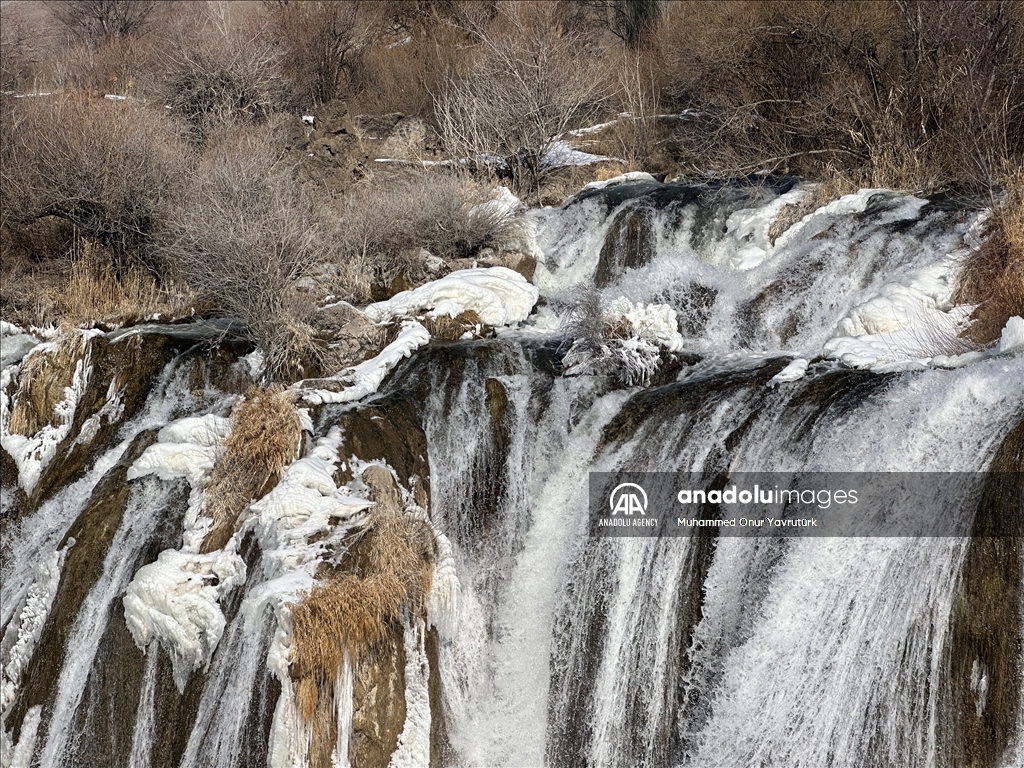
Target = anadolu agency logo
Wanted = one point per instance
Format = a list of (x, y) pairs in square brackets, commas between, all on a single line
[(628, 504), (628, 499)]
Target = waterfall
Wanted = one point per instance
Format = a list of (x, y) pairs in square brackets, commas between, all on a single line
[(828, 347)]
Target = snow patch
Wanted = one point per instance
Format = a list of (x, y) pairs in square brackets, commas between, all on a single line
[(561, 154), (621, 179), (498, 295)]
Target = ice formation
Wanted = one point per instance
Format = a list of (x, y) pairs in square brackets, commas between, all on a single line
[(497, 294), (32, 453), (413, 748), (907, 322), (792, 372), (176, 601), (22, 634), (634, 357), (365, 379)]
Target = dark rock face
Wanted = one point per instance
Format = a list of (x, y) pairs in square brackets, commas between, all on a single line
[(93, 533), (978, 705)]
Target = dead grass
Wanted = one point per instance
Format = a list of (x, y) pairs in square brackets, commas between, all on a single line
[(43, 380), (453, 328), (93, 292), (993, 276), (265, 436), (387, 572)]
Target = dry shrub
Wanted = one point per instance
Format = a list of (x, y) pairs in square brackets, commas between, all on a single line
[(224, 74), (113, 169), (913, 94), (531, 83), (403, 71), (318, 41), (244, 237), (385, 222), (265, 437), (993, 276), (44, 377), (387, 572)]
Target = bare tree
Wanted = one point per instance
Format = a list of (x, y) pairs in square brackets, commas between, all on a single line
[(95, 20), (529, 87)]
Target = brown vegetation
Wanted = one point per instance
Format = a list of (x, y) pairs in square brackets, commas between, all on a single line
[(112, 169), (385, 573), (993, 276), (265, 437)]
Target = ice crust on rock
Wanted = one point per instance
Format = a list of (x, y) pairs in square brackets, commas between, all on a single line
[(23, 632), (176, 601), (33, 453), (792, 372), (365, 379), (498, 295)]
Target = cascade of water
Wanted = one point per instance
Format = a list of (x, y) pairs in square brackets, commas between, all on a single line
[(570, 650)]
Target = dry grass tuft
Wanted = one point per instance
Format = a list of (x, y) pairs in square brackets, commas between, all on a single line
[(993, 276), (454, 328), (44, 377), (93, 292), (265, 437), (387, 572)]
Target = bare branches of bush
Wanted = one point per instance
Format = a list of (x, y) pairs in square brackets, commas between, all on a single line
[(529, 86), (318, 41), (907, 94), (233, 76), (113, 169), (244, 235), (95, 20), (446, 213)]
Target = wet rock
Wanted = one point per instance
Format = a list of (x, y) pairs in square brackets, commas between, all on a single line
[(93, 533), (981, 695)]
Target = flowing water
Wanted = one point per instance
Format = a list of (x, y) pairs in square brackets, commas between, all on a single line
[(566, 649)]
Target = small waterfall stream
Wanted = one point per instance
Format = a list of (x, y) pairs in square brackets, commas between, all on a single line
[(562, 648)]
